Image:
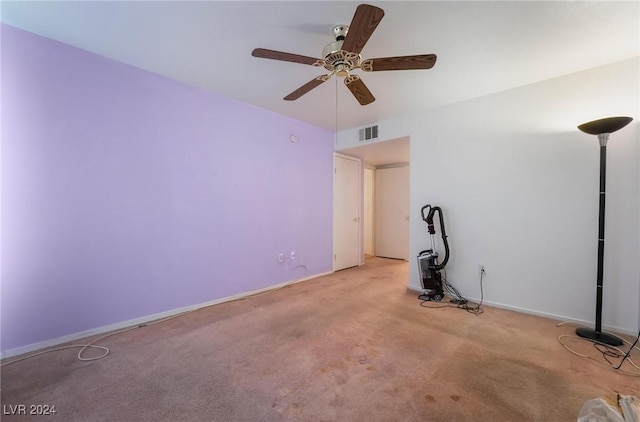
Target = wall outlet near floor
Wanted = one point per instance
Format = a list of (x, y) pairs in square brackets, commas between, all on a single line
[(281, 257), (483, 270), (293, 255)]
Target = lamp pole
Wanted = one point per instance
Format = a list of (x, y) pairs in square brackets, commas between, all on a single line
[(602, 128)]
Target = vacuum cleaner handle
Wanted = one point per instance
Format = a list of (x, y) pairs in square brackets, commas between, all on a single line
[(424, 217), (429, 218)]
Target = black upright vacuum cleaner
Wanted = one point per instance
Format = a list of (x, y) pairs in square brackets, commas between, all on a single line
[(428, 259)]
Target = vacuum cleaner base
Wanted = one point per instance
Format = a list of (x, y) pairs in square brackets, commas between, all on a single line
[(430, 277), (431, 296)]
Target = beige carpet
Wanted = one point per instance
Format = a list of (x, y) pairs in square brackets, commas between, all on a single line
[(352, 346)]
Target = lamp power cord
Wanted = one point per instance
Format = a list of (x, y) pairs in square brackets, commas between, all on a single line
[(608, 353)]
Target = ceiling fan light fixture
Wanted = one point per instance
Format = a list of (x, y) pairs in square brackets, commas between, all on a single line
[(342, 70)]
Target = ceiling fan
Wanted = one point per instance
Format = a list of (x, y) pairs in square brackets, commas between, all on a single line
[(341, 57)]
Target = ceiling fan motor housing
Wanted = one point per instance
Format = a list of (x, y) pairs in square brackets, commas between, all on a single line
[(332, 48), (335, 58)]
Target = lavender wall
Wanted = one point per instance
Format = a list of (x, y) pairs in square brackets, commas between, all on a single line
[(126, 194)]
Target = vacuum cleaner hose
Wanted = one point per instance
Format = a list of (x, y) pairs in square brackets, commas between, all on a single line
[(428, 218)]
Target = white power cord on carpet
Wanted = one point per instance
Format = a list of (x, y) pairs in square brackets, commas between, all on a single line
[(610, 351), (90, 345)]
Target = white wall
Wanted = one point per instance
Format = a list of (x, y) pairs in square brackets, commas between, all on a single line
[(518, 184)]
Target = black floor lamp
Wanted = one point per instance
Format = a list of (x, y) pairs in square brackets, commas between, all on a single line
[(602, 128)]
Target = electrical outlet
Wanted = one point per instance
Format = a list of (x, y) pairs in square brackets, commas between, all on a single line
[(280, 257), (293, 255), (483, 270)]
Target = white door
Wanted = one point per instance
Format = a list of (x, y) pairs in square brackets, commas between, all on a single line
[(392, 212), (346, 212), (367, 221)]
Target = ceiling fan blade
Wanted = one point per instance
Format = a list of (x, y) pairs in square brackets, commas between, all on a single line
[(279, 55), (424, 61), (313, 83), (364, 22), (359, 90)]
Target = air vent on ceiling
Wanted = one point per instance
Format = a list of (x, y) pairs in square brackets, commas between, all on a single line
[(368, 133)]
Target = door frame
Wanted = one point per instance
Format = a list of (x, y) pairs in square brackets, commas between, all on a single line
[(360, 207)]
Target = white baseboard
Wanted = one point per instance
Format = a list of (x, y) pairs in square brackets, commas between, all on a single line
[(559, 318), (145, 319)]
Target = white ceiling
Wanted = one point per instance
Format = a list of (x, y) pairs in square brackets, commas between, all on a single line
[(482, 47), (395, 151)]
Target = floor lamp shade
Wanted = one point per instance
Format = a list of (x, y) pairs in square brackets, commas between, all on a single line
[(608, 125), (602, 128)]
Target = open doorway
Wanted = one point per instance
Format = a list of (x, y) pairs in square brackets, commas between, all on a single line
[(385, 222)]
